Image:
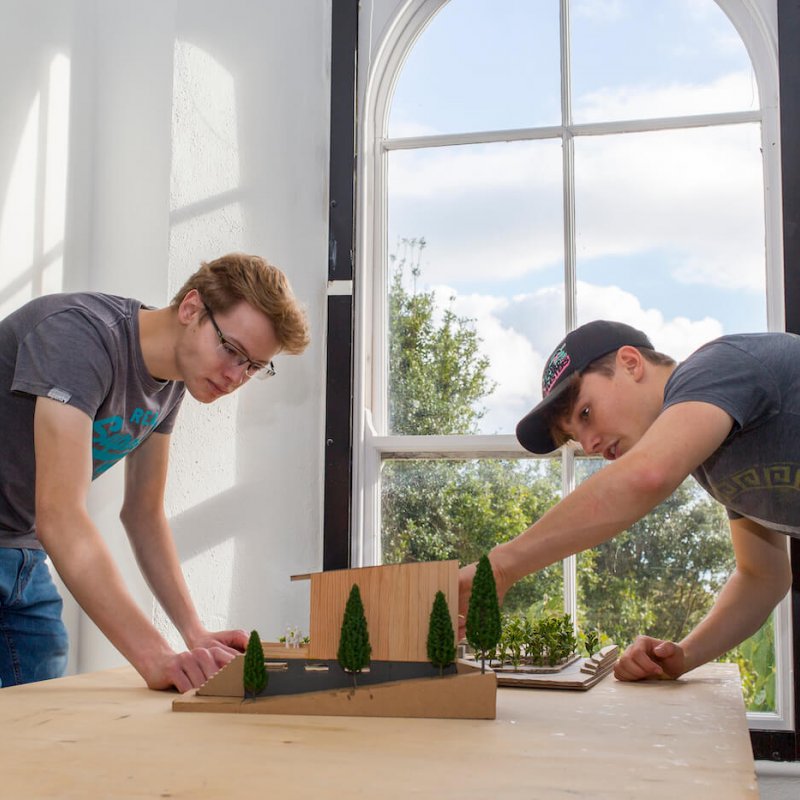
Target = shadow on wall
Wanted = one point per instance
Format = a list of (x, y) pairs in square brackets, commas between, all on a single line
[(234, 558)]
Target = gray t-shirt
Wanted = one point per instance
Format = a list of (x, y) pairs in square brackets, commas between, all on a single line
[(82, 349), (756, 379)]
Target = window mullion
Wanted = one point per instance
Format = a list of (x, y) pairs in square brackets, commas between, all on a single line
[(570, 279)]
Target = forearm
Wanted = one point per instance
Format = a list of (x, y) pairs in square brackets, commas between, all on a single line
[(601, 507), (154, 548), (82, 559), (741, 608)]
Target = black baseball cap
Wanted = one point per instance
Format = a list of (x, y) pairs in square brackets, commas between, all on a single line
[(580, 347)]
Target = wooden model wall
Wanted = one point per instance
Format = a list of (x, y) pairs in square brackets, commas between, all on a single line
[(397, 602)]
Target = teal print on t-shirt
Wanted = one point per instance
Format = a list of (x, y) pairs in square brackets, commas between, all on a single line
[(111, 441)]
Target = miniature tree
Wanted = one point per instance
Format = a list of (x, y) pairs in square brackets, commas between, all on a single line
[(591, 642), (483, 614), (441, 636), (255, 673), (354, 647)]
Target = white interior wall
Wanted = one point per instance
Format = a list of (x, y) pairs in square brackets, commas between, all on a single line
[(192, 128)]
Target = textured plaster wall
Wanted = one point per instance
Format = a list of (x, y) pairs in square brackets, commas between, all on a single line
[(192, 128)]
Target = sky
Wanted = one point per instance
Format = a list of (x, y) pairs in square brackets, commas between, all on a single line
[(669, 225)]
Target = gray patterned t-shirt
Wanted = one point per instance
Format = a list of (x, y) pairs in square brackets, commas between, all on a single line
[(82, 349), (756, 379)]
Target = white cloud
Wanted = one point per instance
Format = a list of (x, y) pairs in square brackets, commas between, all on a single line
[(597, 9), (696, 195), (518, 334), (401, 129), (731, 92)]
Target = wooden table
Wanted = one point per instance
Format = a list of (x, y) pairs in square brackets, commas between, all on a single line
[(104, 735)]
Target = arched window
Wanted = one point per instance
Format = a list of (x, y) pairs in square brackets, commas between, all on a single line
[(524, 168)]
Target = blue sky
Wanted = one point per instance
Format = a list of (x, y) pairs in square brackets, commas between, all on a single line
[(670, 228)]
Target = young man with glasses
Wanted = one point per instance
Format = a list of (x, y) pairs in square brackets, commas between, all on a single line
[(729, 415), (85, 380)]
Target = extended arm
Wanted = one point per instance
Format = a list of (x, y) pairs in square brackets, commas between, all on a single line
[(150, 535), (761, 578), (612, 499), (62, 441)]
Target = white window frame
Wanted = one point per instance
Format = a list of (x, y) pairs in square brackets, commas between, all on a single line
[(388, 30)]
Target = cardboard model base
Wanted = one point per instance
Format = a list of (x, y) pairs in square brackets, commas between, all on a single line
[(465, 693), (581, 674)]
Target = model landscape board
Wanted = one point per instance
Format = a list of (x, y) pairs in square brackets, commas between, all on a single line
[(397, 602)]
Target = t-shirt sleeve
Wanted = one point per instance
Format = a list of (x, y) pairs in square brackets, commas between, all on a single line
[(64, 358), (731, 379), (167, 424)]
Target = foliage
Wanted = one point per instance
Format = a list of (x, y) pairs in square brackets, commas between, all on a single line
[(661, 575), (255, 672), (483, 612), (437, 375), (755, 658), (441, 636), (591, 642), (548, 640), (354, 647)]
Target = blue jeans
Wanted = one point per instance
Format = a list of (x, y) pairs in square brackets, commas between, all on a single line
[(33, 639)]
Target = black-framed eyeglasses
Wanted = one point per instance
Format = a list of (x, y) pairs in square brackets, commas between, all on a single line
[(236, 357)]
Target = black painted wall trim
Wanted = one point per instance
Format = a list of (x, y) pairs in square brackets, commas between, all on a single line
[(341, 219), (785, 745), (338, 434)]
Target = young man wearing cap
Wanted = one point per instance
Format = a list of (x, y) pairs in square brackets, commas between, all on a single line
[(729, 415), (87, 379)]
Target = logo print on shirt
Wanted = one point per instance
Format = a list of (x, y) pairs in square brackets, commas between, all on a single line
[(110, 442)]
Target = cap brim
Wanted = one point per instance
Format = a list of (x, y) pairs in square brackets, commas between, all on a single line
[(533, 430)]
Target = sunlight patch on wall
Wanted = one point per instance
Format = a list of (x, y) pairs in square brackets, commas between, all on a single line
[(55, 178), (17, 227), (205, 222), (34, 210), (205, 146)]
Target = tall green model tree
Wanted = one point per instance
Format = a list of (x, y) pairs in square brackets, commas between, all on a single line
[(441, 636), (483, 627), (255, 672), (354, 647)]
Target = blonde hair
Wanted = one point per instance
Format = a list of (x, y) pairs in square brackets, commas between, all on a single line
[(228, 280)]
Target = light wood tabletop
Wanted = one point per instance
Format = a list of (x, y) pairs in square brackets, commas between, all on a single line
[(103, 735)]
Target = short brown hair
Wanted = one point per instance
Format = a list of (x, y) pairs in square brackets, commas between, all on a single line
[(228, 280), (562, 406)]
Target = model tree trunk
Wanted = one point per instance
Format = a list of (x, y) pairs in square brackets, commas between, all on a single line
[(255, 672), (354, 647), (441, 636), (483, 626)]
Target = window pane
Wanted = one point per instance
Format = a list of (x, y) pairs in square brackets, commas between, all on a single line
[(436, 510), (476, 231), (481, 66), (670, 233), (660, 58), (661, 576), (756, 659)]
